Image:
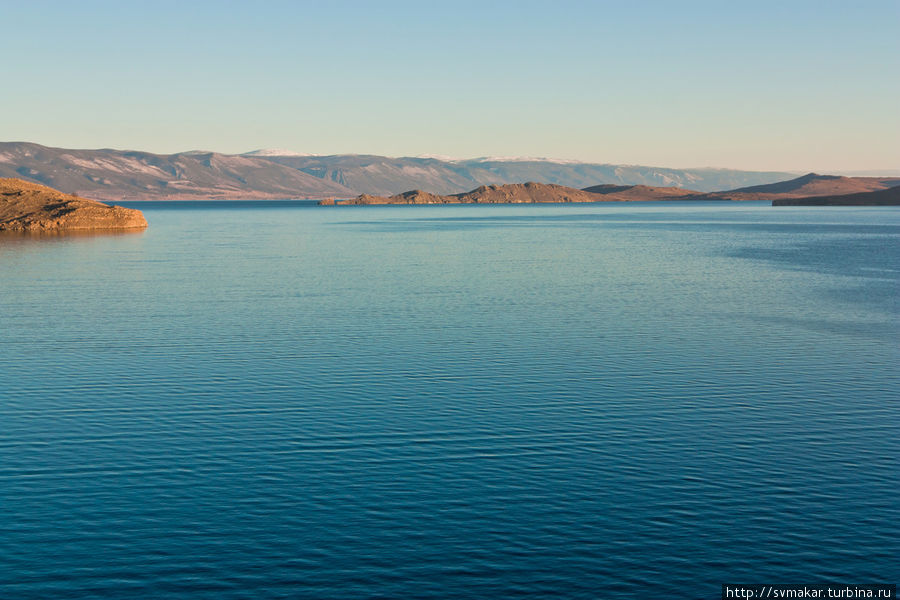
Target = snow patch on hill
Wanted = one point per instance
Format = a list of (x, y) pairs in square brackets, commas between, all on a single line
[(275, 152), (561, 161)]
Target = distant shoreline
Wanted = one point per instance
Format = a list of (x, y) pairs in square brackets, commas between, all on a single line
[(886, 197)]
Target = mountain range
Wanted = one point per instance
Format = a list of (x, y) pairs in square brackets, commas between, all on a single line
[(120, 175)]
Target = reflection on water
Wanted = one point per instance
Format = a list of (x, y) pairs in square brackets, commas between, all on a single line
[(23, 237), (570, 401)]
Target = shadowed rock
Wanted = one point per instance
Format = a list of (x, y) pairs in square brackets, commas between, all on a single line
[(888, 197)]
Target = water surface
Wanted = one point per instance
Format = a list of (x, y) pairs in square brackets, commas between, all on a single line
[(547, 401)]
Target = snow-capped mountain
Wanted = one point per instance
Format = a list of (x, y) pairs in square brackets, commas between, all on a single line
[(274, 152)]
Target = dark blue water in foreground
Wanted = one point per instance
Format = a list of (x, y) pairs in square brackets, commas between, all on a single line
[(568, 401)]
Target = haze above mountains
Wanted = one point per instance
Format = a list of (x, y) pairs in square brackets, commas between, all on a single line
[(116, 175)]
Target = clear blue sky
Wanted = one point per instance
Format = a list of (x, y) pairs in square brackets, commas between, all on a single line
[(794, 85)]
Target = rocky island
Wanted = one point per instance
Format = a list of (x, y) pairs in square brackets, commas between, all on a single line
[(26, 206), (513, 193)]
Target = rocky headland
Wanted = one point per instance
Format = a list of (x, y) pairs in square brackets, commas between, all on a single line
[(26, 206)]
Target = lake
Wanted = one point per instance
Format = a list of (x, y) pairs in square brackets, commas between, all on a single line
[(281, 400)]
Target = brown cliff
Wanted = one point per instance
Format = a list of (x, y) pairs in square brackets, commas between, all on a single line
[(26, 206)]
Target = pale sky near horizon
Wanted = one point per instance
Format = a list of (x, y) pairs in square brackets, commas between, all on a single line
[(788, 85)]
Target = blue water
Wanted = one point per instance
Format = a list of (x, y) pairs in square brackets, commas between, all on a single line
[(551, 401)]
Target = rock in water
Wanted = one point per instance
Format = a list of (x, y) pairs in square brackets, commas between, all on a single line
[(26, 206)]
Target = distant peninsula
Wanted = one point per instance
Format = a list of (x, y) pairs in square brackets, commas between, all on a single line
[(643, 193), (809, 186), (524, 193), (26, 206), (811, 189), (886, 197)]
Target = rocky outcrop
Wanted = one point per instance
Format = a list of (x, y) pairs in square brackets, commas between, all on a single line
[(520, 193), (513, 193), (411, 197), (26, 206)]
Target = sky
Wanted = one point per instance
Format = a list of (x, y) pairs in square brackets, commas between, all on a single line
[(760, 85)]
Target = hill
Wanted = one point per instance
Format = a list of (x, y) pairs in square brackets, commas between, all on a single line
[(26, 206), (385, 176), (513, 193), (115, 175), (636, 193), (811, 185), (886, 197)]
